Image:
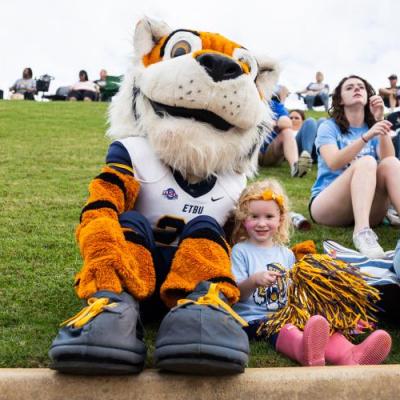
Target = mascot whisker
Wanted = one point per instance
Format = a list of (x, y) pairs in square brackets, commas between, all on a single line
[(186, 128)]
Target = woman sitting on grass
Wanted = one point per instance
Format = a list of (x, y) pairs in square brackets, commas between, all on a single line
[(358, 173), (305, 131), (261, 232), (83, 89), (280, 144)]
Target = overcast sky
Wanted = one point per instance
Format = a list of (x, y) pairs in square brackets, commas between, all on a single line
[(337, 37)]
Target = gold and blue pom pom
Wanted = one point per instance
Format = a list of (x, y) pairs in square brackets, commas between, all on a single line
[(321, 285)]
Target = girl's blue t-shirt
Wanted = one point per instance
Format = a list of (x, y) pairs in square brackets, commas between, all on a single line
[(329, 133), (248, 258)]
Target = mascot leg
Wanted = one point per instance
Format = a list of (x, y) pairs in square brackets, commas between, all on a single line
[(373, 350), (307, 347), (201, 334), (106, 337)]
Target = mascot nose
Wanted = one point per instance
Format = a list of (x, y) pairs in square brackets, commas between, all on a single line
[(219, 67)]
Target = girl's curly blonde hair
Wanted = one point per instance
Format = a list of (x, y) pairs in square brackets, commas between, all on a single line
[(257, 191)]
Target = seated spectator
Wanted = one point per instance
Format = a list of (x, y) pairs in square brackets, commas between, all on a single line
[(25, 87), (391, 95), (101, 83), (394, 119), (108, 85), (84, 89), (306, 132), (316, 93), (280, 94), (358, 174), (281, 143), (62, 92)]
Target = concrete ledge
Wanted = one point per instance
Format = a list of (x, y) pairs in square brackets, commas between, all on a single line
[(353, 383)]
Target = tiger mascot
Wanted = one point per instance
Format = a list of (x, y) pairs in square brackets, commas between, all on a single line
[(186, 128)]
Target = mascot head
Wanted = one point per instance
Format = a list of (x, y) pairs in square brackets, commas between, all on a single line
[(199, 98)]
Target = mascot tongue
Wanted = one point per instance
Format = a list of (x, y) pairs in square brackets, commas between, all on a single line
[(199, 115)]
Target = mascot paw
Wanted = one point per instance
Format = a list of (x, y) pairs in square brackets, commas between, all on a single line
[(105, 338), (202, 335)]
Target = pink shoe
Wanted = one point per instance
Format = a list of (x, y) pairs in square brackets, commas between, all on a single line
[(373, 350), (308, 347)]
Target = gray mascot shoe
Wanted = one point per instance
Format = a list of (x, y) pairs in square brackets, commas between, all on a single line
[(202, 335), (105, 338)]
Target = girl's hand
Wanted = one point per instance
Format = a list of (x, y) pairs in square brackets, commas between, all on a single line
[(265, 278), (377, 107), (381, 128)]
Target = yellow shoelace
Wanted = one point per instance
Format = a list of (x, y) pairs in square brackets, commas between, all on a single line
[(212, 299), (95, 307)]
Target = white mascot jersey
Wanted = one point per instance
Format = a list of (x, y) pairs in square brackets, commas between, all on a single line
[(169, 205)]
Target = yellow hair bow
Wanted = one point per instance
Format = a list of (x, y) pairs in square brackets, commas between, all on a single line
[(270, 195)]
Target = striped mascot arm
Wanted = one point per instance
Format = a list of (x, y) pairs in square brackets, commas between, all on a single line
[(110, 194), (113, 191), (101, 239)]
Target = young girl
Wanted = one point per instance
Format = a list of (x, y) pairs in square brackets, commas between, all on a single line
[(261, 232), (358, 173)]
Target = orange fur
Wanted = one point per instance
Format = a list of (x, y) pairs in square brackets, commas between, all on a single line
[(210, 41), (303, 248), (217, 42), (197, 260), (132, 186), (92, 215), (101, 190), (154, 55), (145, 280), (112, 263)]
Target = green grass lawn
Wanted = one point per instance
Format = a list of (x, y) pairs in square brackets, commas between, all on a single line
[(48, 154)]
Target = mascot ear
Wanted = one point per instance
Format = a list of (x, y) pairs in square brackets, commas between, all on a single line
[(147, 33), (268, 75)]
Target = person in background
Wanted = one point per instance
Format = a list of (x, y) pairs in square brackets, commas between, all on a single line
[(392, 216), (394, 119), (305, 131), (101, 83), (391, 94), (396, 260), (25, 87), (316, 92), (281, 143), (84, 89), (358, 173)]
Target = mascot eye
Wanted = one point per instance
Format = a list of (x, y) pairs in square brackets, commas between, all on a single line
[(181, 43), (180, 49), (245, 57)]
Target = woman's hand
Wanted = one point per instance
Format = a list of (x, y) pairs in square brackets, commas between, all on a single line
[(381, 128), (265, 278), (377, 107)]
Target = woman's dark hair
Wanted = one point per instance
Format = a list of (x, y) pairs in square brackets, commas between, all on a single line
[(28, 71), (300, 112), (83, 73), (337, 109)]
